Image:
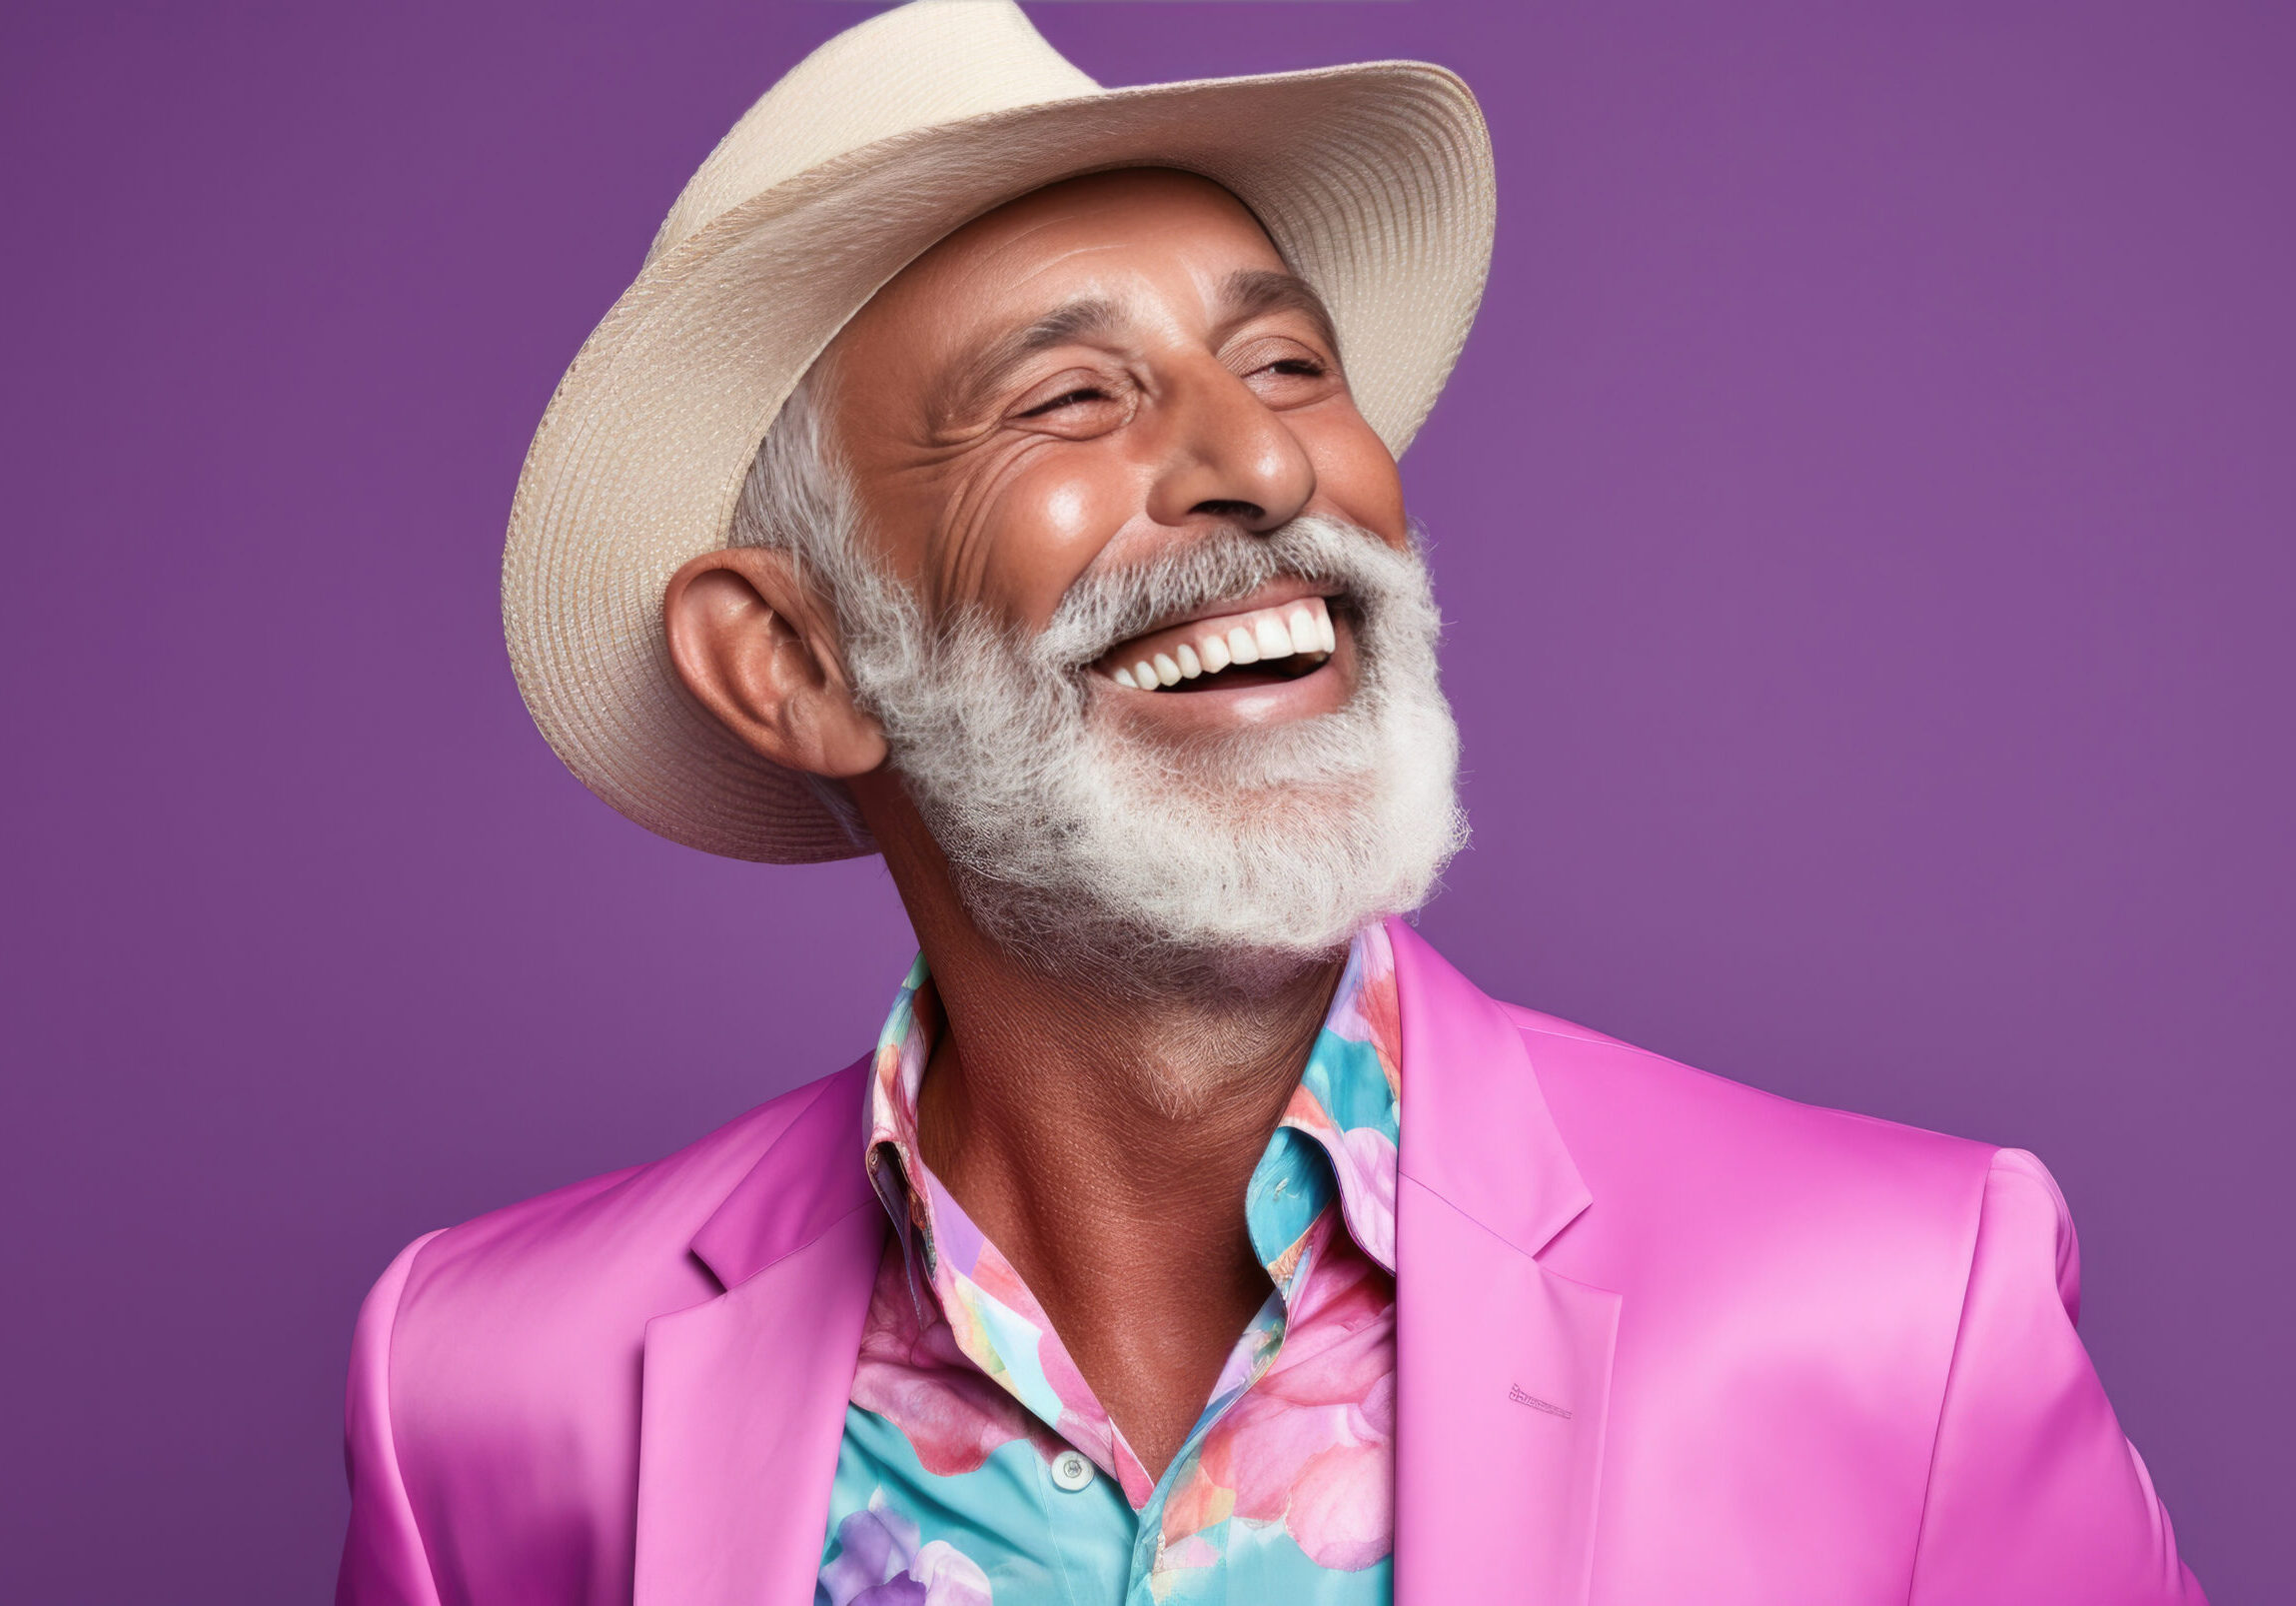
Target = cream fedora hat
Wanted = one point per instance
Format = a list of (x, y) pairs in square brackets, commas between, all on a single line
[(1374, 182)]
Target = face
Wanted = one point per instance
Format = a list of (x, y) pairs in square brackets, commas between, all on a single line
[(1094, 380), (1129, 626)]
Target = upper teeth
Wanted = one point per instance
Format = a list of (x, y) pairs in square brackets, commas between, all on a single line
[(1209, 645)]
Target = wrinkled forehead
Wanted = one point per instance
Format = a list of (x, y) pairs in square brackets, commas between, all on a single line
[(1141, 251)]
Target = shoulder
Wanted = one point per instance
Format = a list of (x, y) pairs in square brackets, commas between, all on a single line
[(492, 1407), (569, 1279), (613, 1226), (1761, 1243), (1704, 1184), (1631, 1114)]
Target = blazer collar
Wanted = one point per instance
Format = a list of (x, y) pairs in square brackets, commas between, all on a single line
[(742, 1403), (812, 1175), (1476, 1129), (1502, 1367)]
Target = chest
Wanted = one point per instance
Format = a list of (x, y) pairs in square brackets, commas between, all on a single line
[(968, 1482)]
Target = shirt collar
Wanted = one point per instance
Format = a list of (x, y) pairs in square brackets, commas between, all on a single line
[(1341, 1130), (1338, 1134)]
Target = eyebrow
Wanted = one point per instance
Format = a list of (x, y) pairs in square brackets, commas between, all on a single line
[(1251, 293), (967, 388)]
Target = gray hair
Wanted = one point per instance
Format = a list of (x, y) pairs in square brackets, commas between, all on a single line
[(798, 499)]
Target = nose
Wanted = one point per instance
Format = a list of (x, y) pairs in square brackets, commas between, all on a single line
[(1229, 457)]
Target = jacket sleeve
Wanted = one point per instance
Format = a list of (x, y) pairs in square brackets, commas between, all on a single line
[(2034, 1494), (384, 1563)]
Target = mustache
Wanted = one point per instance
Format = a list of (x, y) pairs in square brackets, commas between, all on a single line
[(1107, 606)]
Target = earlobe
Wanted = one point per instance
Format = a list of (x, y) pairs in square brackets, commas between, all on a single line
[(753, 647)]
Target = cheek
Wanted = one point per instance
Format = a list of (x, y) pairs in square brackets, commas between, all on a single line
[(1042, 522), (1355, 476)]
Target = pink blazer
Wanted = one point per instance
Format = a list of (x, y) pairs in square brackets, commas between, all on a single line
[(1661, 1341)]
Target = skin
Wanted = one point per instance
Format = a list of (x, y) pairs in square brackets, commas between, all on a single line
[(1095, 373)]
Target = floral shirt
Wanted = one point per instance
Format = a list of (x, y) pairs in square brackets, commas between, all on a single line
[(977, 1466)]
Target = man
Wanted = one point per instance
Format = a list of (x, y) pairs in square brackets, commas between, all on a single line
[(999, 474)]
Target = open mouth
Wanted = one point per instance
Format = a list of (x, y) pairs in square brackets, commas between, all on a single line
[(1254, 647)]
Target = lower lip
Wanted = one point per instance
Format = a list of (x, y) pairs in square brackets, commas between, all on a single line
[(1323, 690)]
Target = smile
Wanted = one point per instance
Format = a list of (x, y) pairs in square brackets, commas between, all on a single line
[(1280, 642)]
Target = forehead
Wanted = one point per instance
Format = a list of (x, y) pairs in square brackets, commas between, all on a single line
[(1149, 241)]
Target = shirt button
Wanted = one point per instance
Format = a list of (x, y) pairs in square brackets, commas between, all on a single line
[(1071, 1471)]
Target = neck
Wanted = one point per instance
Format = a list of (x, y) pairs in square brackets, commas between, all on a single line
[(1103, 1143), (1067, 1103)]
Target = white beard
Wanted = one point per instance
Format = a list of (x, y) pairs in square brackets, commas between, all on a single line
[(1089, 850)]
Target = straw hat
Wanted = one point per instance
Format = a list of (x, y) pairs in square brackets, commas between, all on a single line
[(1373, 181)]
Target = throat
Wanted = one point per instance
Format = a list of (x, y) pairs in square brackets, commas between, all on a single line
[(1104, 1146)]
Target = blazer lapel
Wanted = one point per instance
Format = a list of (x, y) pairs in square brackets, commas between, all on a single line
[(1503, 1368), (743, 1401)]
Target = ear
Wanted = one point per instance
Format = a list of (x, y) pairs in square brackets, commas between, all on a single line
[(756, 647)]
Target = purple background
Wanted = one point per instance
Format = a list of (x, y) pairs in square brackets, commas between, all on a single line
[(1866, 508)]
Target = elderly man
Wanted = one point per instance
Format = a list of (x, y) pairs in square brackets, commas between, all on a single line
[(1193, 1234)]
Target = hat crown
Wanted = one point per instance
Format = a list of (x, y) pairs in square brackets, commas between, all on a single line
[(917, 65)]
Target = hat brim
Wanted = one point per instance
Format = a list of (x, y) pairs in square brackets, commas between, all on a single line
[(1373, 181)]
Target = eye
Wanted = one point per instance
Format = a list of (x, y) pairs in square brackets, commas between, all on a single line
[(1286, 373), (1074, 404), (1088, 393)]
